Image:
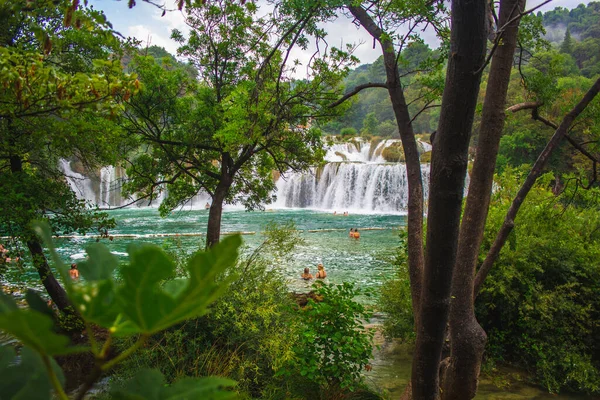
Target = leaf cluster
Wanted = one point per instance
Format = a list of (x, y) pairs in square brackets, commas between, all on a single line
[(141, 304)]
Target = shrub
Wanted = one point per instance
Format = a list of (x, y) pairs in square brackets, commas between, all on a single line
[(393, 153), (540, 304), (334, 346), (395, 297), (348, 132), (250, 332)]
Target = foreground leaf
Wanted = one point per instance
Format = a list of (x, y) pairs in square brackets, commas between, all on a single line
[(153, 307), (149, 384), (25, 378), (33, 329)]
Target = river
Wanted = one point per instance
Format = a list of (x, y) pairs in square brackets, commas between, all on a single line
[(365, 261)]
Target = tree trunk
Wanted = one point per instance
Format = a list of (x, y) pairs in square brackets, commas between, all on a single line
[(411, 153), (448, 170), (55, 290), (213, 229), (467, 336)]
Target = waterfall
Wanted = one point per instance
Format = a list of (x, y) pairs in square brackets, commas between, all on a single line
[(102, 189), (356, 178), (80, 184), (349, 186)]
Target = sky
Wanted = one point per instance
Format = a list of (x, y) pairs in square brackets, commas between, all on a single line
[(145, 23)]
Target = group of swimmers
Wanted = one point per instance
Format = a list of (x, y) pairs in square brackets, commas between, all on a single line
[(320, 269), (321, 274), (345, 213)]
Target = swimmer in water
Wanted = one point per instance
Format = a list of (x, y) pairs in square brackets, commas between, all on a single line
[(74, 272), (306, 275), (321, 274)]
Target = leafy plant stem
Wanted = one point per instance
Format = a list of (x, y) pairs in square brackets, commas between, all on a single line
[(91, 338), (125, 354), (60, 393)]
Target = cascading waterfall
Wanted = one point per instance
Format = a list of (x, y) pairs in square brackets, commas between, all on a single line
[(347, 186), (356, 178)]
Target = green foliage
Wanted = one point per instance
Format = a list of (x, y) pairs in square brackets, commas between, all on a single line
[(150, 384), (334, 345), (539, 305), (245, 117), (141, 304), (26, 377), (249, 334), (348, 132), (395, 297)]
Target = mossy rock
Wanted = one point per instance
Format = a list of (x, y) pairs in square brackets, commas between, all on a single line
[(426, 157), (393, 153)]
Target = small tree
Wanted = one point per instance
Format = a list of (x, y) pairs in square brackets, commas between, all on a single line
[(246, 117)]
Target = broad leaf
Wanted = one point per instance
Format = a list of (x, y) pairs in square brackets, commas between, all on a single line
[(25, 377), (153, 308), (97, 302), (100, 263), (33, 329), (38, 304), (149, 384)]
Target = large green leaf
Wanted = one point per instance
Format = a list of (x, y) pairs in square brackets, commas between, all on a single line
[(153, 307), (149, 384), (33, 329), (25, 378), (96, 302), (100, 264)]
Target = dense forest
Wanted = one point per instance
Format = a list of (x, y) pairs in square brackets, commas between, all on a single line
[(509, 275)]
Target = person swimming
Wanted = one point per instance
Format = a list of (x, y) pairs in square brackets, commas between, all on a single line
[(306, 275), (351, 234), (74, 272), (356, 234), (321, 274)]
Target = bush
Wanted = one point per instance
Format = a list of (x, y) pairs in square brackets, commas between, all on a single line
[(250, 332), (334, 346), (540, 304), (395, 297), (393, 153), (348, 132)]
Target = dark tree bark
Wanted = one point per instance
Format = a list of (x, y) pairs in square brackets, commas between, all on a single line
[(411, 152), (448, 170), (467, 337), (55, 290), (213, 229)]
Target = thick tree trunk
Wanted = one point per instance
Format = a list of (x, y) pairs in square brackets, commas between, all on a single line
[(55, 290), (448, 169), (213, 229), (536, 171), (411, 152), (467, 336)]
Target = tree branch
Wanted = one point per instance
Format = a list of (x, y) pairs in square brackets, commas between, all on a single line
[(356, 90)]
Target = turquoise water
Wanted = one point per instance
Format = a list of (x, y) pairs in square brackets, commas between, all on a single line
[(364, 261)]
